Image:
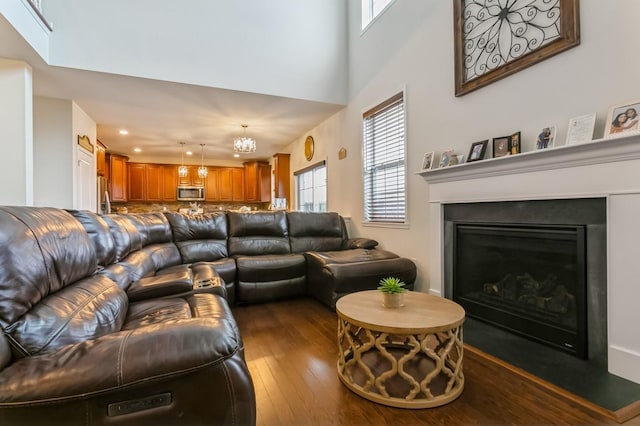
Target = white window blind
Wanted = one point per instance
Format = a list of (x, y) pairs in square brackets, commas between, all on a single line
[(311, 186), (384, 162)]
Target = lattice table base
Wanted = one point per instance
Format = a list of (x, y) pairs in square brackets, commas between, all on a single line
[(401, 370)]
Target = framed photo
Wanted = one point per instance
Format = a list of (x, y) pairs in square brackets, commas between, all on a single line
[(495, 39), (476, 152), (501, 146), (546, 138), (427, 161), (622, 120), (514, 143), (445, 158), (581, 129)]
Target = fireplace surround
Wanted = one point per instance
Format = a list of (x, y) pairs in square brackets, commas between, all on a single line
[(605, 169), (536, 268)]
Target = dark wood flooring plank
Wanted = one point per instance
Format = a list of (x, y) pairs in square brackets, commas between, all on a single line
[(291, 350)]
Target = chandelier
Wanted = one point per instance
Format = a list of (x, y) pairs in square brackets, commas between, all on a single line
[(244, 144), (182, 170), (202, 170)]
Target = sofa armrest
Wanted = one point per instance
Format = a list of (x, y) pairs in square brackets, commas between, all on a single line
[(160, 285), (120, 360), (354, 243)]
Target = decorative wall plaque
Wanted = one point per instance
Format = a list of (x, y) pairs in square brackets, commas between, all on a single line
[(497, 38)]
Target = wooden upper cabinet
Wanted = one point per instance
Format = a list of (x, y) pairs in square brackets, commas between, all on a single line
[(231, 183), (118, 177), (257, 181), (137, 182), (101, 160), (212, 191), (281, 176), (192, 178), (154, 182), (169, 182)]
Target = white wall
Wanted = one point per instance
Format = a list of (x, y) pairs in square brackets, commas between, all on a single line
[(53, 152), (16, 133), (287, 48), (57, 124), (411, 45)]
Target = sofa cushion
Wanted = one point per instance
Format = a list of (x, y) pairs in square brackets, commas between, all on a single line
[(316, 231), (99, 234), (85, 310), (153, 227), (200, 237), (43, 250), (126, 236), (258, 233)]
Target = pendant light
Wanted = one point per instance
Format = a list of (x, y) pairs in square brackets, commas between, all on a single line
[(202, 170), (182, 170), (244, 144)]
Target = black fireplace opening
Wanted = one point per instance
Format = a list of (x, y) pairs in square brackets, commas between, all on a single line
[(528, 279)]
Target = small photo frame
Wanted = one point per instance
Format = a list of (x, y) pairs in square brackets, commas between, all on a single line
[(514, 143), (581, 129), (477, 150), (501, 146), (427, 161), (445, 158), (622, 120), (546, 138)]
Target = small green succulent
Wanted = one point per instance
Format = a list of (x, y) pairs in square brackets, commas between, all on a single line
[(392, 285)]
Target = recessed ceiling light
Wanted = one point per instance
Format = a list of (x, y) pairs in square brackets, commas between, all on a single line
[(137, 150), (236, 155), (124, 132), (189, 153)]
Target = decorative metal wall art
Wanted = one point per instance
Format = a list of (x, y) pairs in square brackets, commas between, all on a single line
[(496, 38)]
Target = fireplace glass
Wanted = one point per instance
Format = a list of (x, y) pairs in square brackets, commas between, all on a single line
[(529, 279)]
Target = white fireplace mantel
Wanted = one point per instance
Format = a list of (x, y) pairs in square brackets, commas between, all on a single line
[(602, 168)]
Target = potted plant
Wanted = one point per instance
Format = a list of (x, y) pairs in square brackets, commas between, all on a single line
[(392, 289)]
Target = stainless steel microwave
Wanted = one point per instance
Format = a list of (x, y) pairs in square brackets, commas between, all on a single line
[(191, 193)]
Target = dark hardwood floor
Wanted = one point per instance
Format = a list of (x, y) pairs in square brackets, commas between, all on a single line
[(291, 350)]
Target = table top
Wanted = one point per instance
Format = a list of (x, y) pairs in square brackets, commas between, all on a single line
[(421, 313)]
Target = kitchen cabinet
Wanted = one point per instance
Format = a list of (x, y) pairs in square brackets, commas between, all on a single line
[(192, 178), (212, 189), (152, 182), (101, 159), (118, 177), (137, 182), (231, 183), (281, 176), (257, 181), (169, 182)]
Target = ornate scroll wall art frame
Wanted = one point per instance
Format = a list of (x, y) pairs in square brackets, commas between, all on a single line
[(497, 38)]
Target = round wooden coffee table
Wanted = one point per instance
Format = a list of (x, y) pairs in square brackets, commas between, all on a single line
[(409, 357)]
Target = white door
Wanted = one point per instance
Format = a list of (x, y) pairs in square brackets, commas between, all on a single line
[(86, 182)]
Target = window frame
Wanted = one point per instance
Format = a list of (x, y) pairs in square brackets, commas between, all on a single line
[(314, 166), (371, 18), (379, 107)]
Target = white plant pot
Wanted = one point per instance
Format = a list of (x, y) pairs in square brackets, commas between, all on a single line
[(393, 300)]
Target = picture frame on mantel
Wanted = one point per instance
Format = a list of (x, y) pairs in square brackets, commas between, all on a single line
[(486, 51), (623, 120), (477, 150)]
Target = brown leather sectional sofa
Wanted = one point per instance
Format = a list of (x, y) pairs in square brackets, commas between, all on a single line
[(125, 319)]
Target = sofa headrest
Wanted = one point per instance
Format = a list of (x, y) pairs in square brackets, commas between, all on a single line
[(258, 233), (154, 227), (311, 231), (125, 234), (43, 251), (208, 226), (99, 234)]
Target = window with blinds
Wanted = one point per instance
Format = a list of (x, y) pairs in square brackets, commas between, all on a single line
[(384, 162)]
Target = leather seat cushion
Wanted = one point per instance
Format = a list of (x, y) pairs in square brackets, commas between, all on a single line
[(270, 267), (87, 309)]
